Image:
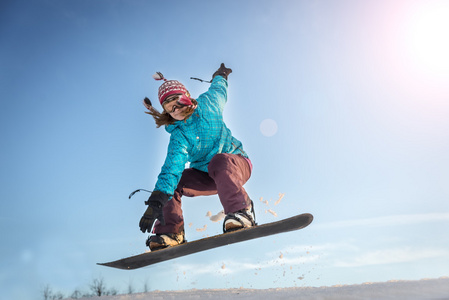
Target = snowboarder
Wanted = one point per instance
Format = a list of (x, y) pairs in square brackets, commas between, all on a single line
[(218, 163)]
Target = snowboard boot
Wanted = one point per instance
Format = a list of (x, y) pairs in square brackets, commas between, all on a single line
[(164, 240), (241, 219)]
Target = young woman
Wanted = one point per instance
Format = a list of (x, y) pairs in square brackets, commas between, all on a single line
[(218, 163)]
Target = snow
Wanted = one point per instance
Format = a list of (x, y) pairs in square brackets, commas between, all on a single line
[(395, 289)]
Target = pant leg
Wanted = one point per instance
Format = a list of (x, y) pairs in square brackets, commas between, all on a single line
[(192, 183), (230, 172)]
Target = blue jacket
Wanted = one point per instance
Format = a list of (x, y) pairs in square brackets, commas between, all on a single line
[(199, 138)]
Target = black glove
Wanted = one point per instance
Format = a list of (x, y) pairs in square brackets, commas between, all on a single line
[(222, 71), (154, 212)]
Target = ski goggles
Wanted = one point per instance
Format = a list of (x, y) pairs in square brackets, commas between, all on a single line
[(181, 101)]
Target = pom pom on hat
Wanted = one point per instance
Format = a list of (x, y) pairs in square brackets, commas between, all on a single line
[(159, 76)]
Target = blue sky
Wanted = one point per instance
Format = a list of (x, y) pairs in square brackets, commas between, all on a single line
[(353, 95)]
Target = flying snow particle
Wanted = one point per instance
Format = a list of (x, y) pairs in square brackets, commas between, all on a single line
[(281, 195), (273, 212), (202, 229), (217, 217)]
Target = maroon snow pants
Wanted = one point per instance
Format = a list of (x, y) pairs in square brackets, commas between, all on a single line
[(227, 173)]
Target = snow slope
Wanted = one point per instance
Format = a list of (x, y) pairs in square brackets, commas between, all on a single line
[(437, 289)]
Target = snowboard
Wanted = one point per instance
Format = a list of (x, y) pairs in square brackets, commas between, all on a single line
[(245, 234)]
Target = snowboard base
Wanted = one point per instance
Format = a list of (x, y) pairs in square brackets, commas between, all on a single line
[(154, 257)]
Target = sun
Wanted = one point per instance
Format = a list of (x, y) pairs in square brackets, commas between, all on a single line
[(428, 36)]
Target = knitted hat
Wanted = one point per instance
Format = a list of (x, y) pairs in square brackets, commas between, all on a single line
[(172, 87)]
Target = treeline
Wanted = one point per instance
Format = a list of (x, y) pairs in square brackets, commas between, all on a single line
[(96, 288)]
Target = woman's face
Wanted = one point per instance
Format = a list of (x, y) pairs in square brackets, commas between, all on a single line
[(177, 111)]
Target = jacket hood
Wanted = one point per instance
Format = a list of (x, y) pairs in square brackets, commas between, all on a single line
[(178, 124), (170, 128)]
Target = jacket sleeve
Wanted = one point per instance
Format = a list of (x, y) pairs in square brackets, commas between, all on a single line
[(218, 92), (177, 156)]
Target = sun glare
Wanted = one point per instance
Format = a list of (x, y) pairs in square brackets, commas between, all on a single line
[(429, 36)]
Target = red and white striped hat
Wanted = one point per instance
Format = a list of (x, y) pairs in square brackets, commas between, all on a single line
[(172, 87)]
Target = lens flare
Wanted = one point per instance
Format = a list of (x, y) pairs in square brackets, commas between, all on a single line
[(428, 36), (268, 127)]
